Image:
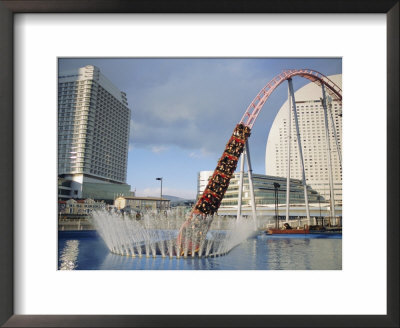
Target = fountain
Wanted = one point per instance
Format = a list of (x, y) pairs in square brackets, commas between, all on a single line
[(156, 234), (171, 235)]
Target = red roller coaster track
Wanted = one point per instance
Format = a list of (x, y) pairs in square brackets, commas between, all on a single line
[(210, 201), (258, 102)]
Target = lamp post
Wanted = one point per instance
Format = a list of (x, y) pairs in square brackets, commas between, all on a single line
[(160, 191), (320, 215), (276, 186)]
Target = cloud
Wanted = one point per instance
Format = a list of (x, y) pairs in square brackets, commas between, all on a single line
[(200, 154), (158, 149), (195, 108)]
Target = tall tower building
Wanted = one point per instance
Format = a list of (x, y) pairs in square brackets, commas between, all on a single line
[(313, 139), (93, 133)]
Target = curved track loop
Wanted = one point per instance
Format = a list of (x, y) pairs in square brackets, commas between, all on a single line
[(258, 102)]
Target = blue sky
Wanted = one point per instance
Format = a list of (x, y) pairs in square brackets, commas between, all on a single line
[(184, 110)]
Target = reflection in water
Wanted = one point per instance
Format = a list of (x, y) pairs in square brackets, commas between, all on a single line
[(311, 252), (69, 255), (304, 253)]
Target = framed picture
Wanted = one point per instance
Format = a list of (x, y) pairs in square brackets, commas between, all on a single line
[(35, 293)]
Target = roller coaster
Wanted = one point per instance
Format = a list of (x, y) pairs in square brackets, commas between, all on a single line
[(195, 228)]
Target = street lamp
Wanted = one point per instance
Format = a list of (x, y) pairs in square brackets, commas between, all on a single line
[(276, 186), (160, 191), (320, 215)]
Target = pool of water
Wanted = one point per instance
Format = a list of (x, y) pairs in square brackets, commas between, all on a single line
[(85, 250)]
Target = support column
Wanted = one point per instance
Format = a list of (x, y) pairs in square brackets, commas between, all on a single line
[(339, 150), (251, 187), (328, 150), (300, 150), (289, 126), (239, 210)]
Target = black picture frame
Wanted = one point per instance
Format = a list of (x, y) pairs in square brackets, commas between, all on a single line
[(11, 7)]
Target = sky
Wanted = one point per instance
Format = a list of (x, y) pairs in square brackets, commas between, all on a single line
[(183, 111)]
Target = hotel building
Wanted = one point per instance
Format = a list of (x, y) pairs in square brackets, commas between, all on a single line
[(313, 140), (93, 135)]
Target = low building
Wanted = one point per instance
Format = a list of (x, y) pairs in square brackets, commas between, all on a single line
[(64, 189), (79, 206), (264, 191), (142, 203), (264, 194), (81, 187)]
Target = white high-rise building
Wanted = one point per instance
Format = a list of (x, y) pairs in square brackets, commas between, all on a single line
[(313, 140), (202, 180), (93, 130)]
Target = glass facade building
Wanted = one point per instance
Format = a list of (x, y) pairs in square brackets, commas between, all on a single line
[(264, 190)]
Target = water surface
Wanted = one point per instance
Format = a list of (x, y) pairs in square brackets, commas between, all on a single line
[(85, 250)]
